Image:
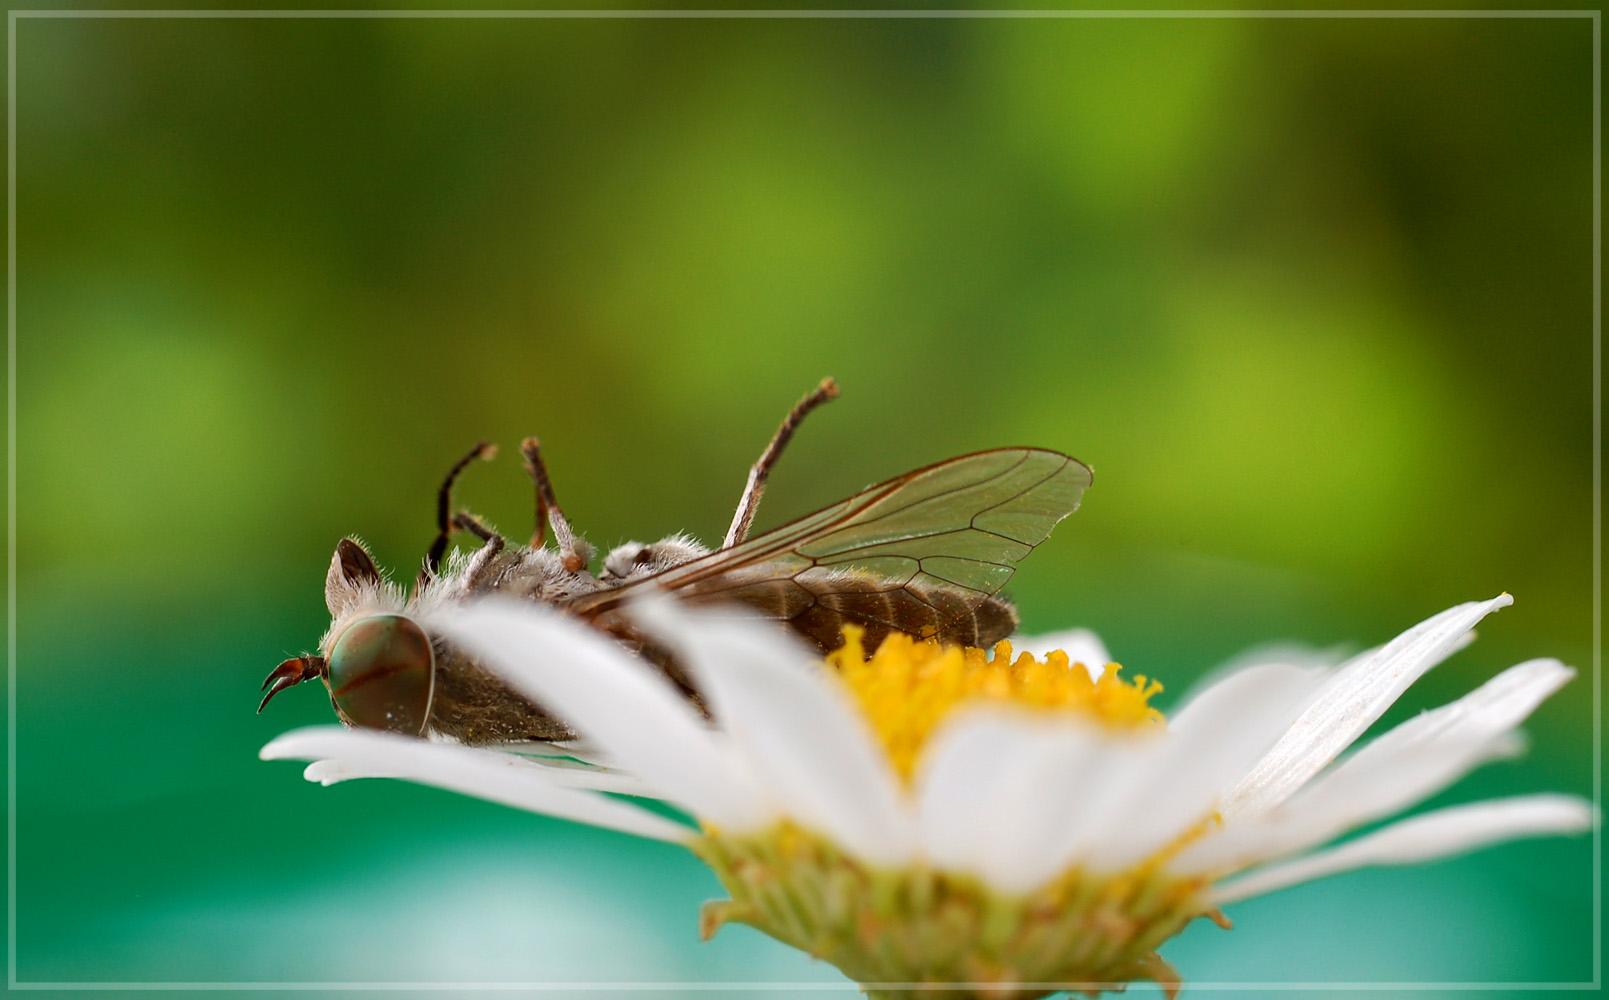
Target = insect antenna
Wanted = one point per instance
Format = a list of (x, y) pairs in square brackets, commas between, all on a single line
[(444, 505), (547, 507), (291, 673)]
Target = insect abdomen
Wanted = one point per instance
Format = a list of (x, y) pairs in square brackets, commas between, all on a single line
[(948, 615)]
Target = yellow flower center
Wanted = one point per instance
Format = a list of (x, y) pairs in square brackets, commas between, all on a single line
[(909, 685)]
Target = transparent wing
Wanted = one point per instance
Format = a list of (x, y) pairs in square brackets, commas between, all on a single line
[(923, 549)]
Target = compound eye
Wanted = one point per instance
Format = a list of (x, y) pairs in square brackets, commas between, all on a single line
[(382, 673)]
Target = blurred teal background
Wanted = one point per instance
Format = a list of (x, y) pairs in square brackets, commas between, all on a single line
[(1313, 298)]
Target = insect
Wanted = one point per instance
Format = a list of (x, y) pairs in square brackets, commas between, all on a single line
[(925, 553)]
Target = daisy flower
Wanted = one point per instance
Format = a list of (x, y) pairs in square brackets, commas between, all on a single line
[(1008, 824)]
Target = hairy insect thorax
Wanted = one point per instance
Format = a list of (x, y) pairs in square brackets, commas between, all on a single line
[(467, 702), (636, 561)]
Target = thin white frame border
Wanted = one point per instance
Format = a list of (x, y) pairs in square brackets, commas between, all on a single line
[(1596, 17)]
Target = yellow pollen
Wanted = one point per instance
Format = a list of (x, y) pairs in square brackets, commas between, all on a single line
[(909, 685)]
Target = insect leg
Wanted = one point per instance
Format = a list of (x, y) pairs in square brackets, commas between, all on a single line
[(547, 508), (750, 504), (465, 521), (444, 503), (481, 561)]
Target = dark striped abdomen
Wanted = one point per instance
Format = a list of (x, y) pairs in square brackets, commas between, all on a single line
[(817, 603), (948, 615)]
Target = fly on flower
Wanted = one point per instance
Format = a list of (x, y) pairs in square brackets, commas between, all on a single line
[(925, 554), (929, 817)]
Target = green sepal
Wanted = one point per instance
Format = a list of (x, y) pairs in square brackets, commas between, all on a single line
[(894, 929)]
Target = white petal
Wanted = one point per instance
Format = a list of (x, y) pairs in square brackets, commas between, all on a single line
[(1341, 800), (997, 787), (575, 750), (483, 774), (1496, 706), (1432, 835), (579, 749), (615, 700), (957, 787), (574, 774), (1289, 654), (1415, 760), (1210, 743), (1258, 694), (1349, 704), (567, 773), (796, 722), (330, 772), (1120, 763), (708, 639), (1080, 644)]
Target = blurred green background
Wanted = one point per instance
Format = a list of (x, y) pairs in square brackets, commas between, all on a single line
[(1312, 296)]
